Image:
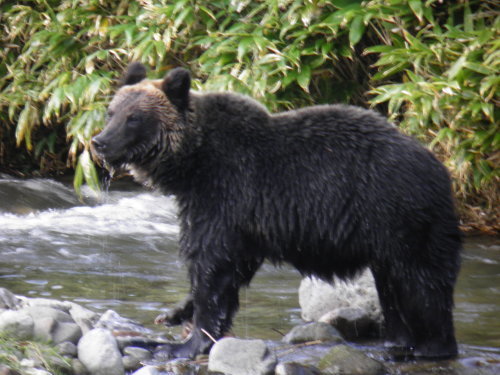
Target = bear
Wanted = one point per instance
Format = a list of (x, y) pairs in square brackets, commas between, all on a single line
[(330, 189)]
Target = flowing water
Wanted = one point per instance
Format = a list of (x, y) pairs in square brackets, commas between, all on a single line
[(120, 252)]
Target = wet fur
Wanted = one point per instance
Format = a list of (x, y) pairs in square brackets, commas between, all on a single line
[(329, 189)]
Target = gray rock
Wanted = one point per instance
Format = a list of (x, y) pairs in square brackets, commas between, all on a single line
[(318, 298), (114, 322), (131, 363), (39, 312), (343, 359), (8, 301), (312, 332), (53, 325), (99, 353), (66, 332), (136, 352), (147, 370), (78, 367), (239, 357), (292, 368), (67, 348), (17, 323), (134, 356), (85, 318), (353, 323)]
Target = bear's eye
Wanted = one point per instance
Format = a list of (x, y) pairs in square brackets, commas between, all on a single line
[(109, 114), (133, 120)]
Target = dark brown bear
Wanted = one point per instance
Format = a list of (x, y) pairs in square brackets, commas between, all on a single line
[(330, 189)]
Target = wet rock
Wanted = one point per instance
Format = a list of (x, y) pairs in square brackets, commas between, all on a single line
[(17, 323), (136, 352), (312, 332), (8, 301), (292, 368), (53, 325), (319, 299), (234, 356), (181, 367), (343, 359), (353, 323), (99, 353), (133, 357), (112, 321), (66, 348), (4, 370), (78, 367), (85, 318), (147, 370)]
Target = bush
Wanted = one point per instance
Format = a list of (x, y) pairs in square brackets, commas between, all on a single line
[(432, 67)]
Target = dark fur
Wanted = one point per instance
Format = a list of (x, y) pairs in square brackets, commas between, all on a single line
[(330, 189)]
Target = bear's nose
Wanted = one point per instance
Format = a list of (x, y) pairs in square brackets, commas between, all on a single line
[(98, 144)]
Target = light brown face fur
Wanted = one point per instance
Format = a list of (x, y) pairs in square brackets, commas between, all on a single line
[(142, 124)]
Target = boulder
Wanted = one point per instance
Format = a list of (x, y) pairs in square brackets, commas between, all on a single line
[(239, 357), (325, 302), (19, 324), (99, 353), (353, 323), (343, 359), (312, 332), (8, 301)]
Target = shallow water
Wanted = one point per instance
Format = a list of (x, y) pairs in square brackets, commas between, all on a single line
[(120, 252)]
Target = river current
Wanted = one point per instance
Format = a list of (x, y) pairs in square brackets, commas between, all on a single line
[(119, 251)]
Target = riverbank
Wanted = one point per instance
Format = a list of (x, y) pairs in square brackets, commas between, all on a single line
[(85, 342)]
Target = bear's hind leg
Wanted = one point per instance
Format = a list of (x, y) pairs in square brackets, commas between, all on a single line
[(417, 306)]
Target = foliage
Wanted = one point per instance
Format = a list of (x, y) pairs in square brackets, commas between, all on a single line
[(447, 94), (12, 351), (431, 65)]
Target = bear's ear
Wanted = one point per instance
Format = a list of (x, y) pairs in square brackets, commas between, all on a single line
[(135, 73), (176, 86)]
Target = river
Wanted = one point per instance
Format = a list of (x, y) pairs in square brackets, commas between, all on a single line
[(120, 252)]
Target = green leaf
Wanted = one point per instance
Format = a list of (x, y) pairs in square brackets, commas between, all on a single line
[(304, 77), (456, 68), (356, 30), (417, 8)]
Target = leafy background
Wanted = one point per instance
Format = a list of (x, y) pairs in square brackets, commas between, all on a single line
[(430, 65)]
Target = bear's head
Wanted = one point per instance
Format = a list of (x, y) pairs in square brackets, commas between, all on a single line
[(145, 119)]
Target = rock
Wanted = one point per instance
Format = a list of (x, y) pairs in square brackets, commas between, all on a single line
[(343, 359), (147, 370), (99, 353), (318, 298), (78, 367), (134, 356), (234, 356), (292, 368), (66, 332), (112, 321), (39, 312), (353, 323), (17, 323), (85, 318), (312, 332), (8, 301), (136, 352), (67, 348), (4, 370), (53, 325), (130, 363)]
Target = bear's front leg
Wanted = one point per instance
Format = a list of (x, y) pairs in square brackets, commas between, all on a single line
[(215, 289), (180, 314)]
